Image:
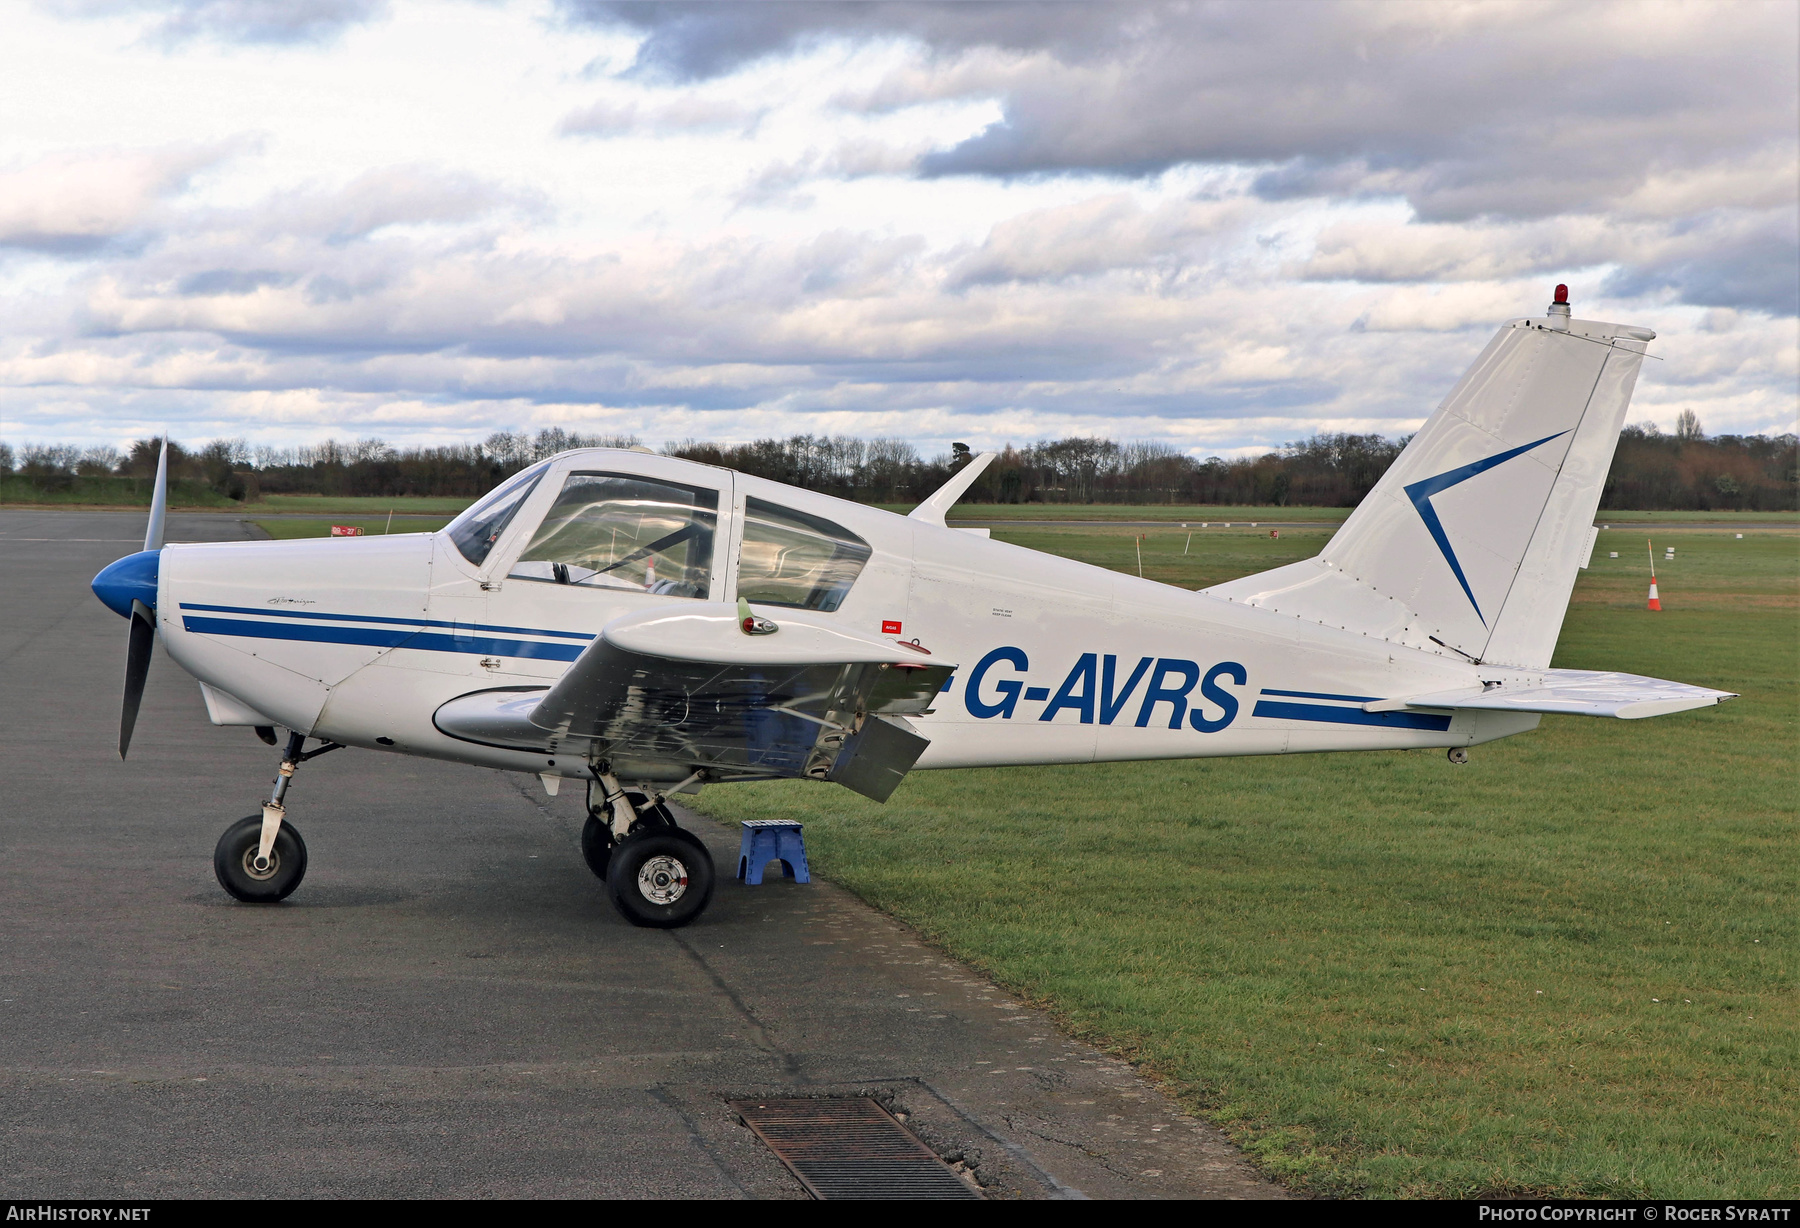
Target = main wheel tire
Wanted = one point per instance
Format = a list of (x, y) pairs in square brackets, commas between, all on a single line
[(234, 862), (596, 846), (661, 878)]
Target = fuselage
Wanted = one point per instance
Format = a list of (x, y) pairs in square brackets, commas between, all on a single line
[(361, 640)]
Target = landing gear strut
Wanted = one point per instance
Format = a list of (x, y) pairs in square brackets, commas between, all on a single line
[(261, 858), (656, 874), (604, 815)]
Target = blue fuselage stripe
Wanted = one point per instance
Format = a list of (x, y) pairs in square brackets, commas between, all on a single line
[(1350, 699), (381, 637), (1350, 716), (395, 622)]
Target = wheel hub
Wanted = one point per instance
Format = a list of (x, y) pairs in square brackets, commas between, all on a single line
[(267, 870), (662, 880)]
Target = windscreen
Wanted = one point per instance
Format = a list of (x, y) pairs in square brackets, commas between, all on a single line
[(476, 530), (620, 531)]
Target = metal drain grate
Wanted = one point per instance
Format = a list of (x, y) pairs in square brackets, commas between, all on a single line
[(850, 1147)]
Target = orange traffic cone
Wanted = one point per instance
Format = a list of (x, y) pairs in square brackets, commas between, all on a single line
[(1655, 601)]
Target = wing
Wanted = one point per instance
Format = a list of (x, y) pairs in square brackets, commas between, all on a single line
[(684, 686), (1574, 692)]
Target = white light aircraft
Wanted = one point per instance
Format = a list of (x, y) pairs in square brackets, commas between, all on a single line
[(646, 625)]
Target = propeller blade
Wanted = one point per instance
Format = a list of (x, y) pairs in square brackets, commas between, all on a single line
[(137, 669), (159, 500)]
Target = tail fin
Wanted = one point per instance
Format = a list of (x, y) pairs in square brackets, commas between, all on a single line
[(1469, 544)]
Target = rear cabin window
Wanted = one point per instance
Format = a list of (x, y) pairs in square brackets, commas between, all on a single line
[(618, 531), (794, 559), (476, 530)]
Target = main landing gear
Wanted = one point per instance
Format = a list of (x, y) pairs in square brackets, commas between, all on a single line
[(656, 874), (261, 858)]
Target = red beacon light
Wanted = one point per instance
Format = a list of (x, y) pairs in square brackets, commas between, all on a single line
[(1558, 315)]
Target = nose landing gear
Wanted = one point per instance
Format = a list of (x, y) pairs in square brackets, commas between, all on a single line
[(261, 858), (248, 875)]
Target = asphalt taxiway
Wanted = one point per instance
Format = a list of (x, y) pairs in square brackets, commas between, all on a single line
[(449, 1007)]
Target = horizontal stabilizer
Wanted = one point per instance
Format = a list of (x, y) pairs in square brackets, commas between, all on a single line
[(1570, 692)]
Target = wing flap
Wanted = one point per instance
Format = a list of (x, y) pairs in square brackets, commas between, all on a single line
[(685, 685), (877, 757)]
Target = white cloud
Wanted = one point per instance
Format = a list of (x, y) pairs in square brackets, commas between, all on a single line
[(467, 216), (233, 21), (683, 114), (71, 201), (1098, 235)]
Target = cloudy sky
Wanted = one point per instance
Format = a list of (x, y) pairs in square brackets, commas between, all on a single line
[(1220, 226)]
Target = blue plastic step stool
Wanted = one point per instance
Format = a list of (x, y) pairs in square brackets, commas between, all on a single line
[(767, 840)]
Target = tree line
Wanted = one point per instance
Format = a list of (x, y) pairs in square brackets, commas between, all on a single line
[(1651, 470)]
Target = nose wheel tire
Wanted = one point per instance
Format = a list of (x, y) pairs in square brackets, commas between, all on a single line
[(234, 862), (660, 878)]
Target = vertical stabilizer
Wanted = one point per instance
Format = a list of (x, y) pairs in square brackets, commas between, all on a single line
[(1470, 543)]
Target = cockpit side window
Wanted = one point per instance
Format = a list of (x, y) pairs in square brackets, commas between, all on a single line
[(476, 530), (794, 559), (620, 531)]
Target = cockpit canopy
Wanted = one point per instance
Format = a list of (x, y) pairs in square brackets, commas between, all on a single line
[(610, 528)]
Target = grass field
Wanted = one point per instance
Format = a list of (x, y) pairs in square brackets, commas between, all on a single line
[(1000, 513), (113, 492), (1566, 968), (282, 529), (357, 505), (988, 513), (1678, 518)]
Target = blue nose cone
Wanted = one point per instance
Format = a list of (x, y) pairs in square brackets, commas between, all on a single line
[(131, 578)]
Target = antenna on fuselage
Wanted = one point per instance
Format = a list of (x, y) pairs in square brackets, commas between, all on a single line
[(944, 497)]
